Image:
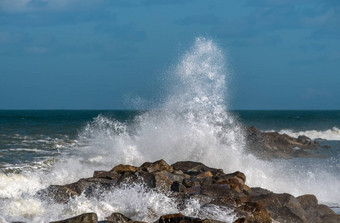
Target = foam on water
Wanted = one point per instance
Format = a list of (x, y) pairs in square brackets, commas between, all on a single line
[(192, 124), (329, 134)]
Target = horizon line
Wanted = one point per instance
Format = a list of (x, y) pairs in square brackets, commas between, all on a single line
[(121, 109)]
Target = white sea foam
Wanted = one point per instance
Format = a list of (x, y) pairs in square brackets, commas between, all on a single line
[(192, 124), (329, 134)]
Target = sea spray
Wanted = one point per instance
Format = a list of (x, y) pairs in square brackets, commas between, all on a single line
[(192, 124)]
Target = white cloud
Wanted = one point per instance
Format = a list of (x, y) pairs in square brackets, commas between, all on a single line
[(14, 5), (44, 5)]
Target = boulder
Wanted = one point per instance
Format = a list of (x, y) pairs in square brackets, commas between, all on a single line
[(188, 180), (123, 168), (159, 165), (269, 145), (256, 213), (83, 218), (117, 218), (179, 218)]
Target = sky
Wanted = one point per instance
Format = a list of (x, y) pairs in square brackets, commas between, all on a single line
[(105, 54)]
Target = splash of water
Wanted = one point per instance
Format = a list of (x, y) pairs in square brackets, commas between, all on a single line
[(192, 124)]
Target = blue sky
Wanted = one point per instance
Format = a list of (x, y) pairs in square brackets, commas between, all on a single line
[(87, 54)]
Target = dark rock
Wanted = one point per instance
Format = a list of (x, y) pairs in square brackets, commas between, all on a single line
[(194, 168), (269, 145), (307, 201), (256, 213), (159, 165), (281, 207), (163, 181), (187, 180), (179, 218), (215, 190), (256, 191), (178, 187), (106, 174), (117, 218), (84, 218), (235, 180), (59, 194)]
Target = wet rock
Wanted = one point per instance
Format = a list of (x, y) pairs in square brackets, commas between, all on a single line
[(163, 181), (123, 168), (204, 174), (106, 174), (194, 168), (56, 193), (269, 145), (179, 187), (179, 218), (308, 201), (234, 180), (186, 180), (117, 218), (159, 165), (256, 213), (215, 190), (84, 218), (281, 207)]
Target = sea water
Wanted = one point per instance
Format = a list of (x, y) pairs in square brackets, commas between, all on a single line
[(40, 148)]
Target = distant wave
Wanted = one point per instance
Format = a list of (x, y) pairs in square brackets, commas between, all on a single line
[(329, 134)]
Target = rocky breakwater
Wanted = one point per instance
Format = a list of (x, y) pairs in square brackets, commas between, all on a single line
[(269, 145), (184, 181)]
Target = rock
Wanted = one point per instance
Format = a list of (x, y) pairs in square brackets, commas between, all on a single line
[(307, 200), (215, 190), (123, 168), (117, 218), (179, 218), (304, 140), (159, 165), (56, 193), (257, 213), (163, 181), (194, 168), (269, 145), (179, 187), (204, 174), (235, 180), (106, 174), (281, 207), (84, 218), (186, 180)]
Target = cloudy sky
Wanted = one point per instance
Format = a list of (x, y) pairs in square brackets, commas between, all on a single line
[(103, 54)]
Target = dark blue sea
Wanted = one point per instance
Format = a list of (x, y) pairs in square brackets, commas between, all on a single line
[(33, 136)]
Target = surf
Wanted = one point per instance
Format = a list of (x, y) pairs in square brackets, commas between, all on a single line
[(192, 123)]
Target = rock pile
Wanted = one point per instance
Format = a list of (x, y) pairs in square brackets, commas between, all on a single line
[(275, 145), (185, 180)]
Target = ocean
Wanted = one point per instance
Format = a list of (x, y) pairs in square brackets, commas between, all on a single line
[(39, 148)]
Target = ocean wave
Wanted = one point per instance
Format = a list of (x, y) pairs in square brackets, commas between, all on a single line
[(329, 134), (192, 124)]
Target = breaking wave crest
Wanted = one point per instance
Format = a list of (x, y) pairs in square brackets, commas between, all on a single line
[(329, 134)]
